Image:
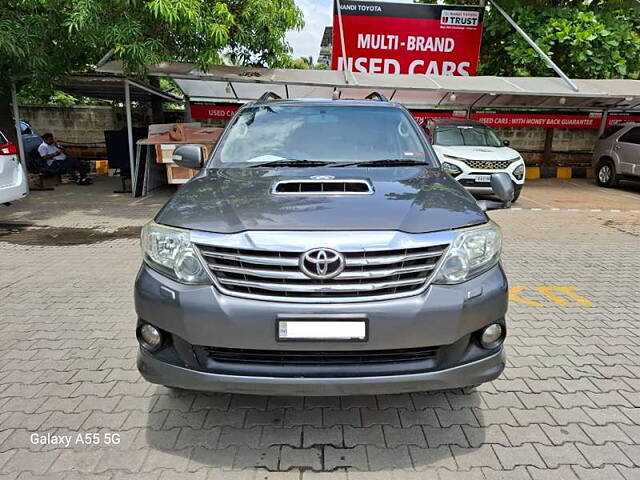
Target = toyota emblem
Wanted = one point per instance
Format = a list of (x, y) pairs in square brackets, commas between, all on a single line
[(321, 263)]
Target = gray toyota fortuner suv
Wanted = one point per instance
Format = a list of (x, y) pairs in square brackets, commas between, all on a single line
[(321, 250)]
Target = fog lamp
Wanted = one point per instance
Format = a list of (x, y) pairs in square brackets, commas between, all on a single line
[(492, 336), (150, 337)]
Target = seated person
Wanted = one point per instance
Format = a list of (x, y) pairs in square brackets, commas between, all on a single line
[(59, 162)]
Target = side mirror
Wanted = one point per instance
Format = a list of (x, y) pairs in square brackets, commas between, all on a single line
[(503, 188), (506, 143), (188, 156)]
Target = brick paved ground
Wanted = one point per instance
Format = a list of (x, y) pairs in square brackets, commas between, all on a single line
[(567, 406)]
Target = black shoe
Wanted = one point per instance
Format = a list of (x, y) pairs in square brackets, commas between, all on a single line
[(84, 181)]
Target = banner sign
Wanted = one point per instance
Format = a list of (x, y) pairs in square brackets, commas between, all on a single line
[(224, 111), (529, 120), (614, 118), (423, 115), (406, 38), (539, 120), (204, 111)]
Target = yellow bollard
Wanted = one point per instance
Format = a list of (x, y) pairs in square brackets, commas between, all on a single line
[(563, 173), (533, 173)]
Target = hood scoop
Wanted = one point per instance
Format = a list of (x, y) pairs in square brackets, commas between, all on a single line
[(322, 187)]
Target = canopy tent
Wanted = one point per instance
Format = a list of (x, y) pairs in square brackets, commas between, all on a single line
[(231, 84), (104, 87), (242, 84), (111, 88), (117, 89)]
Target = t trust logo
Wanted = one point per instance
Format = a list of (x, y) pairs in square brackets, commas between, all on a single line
[(459, 18)]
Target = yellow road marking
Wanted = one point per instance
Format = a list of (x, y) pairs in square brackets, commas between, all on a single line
[(567, 291), (514, 296)]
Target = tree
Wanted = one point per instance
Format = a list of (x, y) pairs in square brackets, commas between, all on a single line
[(43, 40), (597, 40), (305, 63), (592, 39)]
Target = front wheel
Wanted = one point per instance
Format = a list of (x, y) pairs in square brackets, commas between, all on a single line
[(606, 174), (516, 192)]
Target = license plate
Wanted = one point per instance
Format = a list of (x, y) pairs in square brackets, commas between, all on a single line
[(483, 178), (319, 330)]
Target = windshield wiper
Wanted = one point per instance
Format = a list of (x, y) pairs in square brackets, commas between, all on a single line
[(386, 162), (291, 163)]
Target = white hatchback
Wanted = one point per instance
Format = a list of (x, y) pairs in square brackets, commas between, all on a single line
[(14, 183), (471, 152)]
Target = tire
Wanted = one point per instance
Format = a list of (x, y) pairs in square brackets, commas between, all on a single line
[(606, 174), (516, 194)]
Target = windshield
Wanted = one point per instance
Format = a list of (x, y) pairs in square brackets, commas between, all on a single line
[(320, 133), (458, 135)]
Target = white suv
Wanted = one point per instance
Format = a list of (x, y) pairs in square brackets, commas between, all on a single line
[(14, 183), (471, 152)]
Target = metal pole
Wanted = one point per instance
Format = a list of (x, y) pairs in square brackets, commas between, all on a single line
[(16, 119), (187, 110), (344, 49), (538, 50), (127, 107), (603, 121)]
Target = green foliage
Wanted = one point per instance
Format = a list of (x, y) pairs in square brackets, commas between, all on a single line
[(304, 63), (32, 94), (41, 40), (587, 39)]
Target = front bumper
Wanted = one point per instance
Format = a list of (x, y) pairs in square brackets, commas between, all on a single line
[(443, 316), (468, 176), (480, 371)]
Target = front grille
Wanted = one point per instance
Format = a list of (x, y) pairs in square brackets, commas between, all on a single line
[(314, 357), (367, 274), (488, 164), (317, 363)]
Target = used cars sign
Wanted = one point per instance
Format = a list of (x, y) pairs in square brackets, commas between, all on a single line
[(400, 38)]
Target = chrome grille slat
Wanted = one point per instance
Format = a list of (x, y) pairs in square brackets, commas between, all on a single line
[(369, 274), (296, 275), (323, 287), (389, 259), (275, 260)]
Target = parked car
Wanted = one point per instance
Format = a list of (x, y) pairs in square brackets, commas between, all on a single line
[(616, 154), (14, 183), (471, 152), (31, 140), (322, 250)]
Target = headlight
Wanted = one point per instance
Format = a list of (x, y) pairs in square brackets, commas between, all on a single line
[(474, 250), (519, 172), (452, 169), (170, 251)]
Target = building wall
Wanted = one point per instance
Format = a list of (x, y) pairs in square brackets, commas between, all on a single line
[(571, 147), (79, 124), (81, 128)]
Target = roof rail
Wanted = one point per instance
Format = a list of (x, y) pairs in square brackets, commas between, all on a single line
[(268, 95), (376, 96)]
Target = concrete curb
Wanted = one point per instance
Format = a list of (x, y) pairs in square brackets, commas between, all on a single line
[(534, 173)]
